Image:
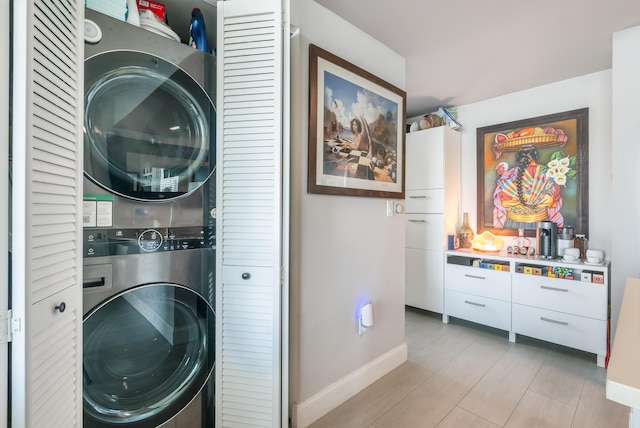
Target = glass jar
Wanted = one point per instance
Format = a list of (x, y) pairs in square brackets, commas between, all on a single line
[(465, 233), (582, 243), (520, 244), (565, 239)]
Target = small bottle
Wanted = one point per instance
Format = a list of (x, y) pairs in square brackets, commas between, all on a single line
[(521, 243), (582, 243), (465, 233)]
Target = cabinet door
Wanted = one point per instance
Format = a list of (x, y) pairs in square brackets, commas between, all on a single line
[(47, 197), (480, 282), (252, 54), (483, 310), (575, 297), (425, 201), (425, 159), (424, 279), (425, 231), (565, 329)]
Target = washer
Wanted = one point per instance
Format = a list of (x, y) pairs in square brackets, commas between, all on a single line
[(149, 238), (148, 340)]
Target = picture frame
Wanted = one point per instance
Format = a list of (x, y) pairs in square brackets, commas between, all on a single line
[(554, 183), (356, 130)]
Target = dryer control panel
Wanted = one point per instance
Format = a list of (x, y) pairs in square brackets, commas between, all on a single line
[(117, 242)]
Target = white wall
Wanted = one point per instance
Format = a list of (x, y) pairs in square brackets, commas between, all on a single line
[(592, 91), (625, 253), (612, 97), (344, 250)]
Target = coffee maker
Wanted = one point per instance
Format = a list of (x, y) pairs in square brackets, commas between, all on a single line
[(546, 237)]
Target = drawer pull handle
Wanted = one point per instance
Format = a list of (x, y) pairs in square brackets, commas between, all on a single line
[(482, 305), (553, 321), (417, 197), (564, 290), (418, 221), (474, 276)]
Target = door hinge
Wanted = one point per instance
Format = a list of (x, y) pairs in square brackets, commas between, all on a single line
[(8, 326)]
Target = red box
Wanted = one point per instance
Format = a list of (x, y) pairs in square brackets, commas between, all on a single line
[(153, 6), (598, 278)]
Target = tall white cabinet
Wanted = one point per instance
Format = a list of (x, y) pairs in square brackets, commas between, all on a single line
[(432, 190)]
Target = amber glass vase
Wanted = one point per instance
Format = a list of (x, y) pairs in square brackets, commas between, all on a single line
[(465, 233)]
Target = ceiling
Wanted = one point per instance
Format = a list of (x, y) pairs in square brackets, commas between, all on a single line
[(466, 51)]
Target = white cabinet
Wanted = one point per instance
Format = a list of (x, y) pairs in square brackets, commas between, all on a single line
[(482, 296), (553, 301), (569, 312), (432, 189)]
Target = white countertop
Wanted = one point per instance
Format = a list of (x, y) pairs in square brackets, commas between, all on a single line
[(623, 374)]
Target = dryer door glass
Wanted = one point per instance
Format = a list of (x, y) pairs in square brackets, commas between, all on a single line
[(149, 127), (147, 353)]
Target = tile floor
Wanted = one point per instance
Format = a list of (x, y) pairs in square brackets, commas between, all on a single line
[(466, 375)]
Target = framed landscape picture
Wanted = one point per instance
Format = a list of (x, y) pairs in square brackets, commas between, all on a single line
[(356, 130), (534, 170)]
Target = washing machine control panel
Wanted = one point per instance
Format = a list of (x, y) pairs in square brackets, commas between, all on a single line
[(114, 242)]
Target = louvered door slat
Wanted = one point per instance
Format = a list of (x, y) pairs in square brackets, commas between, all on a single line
[(48, 111), (51, 122), (47, 102), (47, 89)]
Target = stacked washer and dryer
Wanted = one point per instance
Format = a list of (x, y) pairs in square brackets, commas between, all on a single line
[(149, 250)]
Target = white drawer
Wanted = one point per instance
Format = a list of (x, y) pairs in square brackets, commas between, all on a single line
[(573, 297), (425, 201), (477, 281), (583, 333), (491, 312), (425, 231)]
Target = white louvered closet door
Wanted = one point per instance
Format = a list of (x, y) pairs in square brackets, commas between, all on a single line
[(249, 371), (47, 196)]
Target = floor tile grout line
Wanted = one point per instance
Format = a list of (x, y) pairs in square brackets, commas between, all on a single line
[(547, 352), (372, 424)]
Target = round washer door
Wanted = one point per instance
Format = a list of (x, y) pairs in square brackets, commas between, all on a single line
[(149, 128), (147, 353)]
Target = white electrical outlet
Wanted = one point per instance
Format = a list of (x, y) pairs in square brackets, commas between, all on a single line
[(365, 320), (361, 328), (390, 209)]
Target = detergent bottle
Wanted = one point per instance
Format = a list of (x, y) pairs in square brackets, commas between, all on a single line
[(197, 32)]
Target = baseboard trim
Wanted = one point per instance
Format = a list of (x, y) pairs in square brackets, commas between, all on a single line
[(305, 413)]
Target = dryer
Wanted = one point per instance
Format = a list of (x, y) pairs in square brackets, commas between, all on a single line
[(149, 238), (149, 143)]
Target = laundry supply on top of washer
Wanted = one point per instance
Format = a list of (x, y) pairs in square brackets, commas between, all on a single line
[(197, 31), (156, 7), (151, 22), (118, 9)]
